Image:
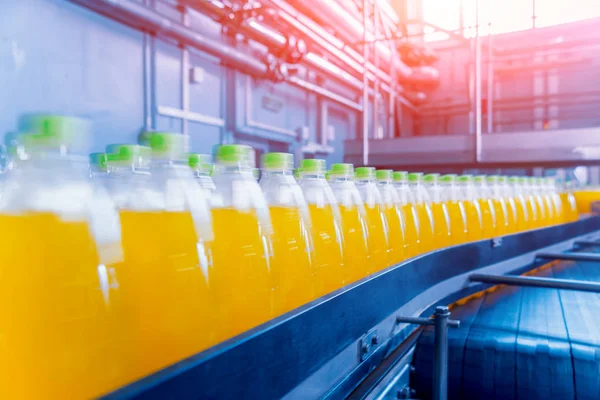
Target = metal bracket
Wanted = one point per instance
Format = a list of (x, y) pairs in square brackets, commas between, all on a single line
[(367, 344), (583, 243), (569, 256), (496, 242)]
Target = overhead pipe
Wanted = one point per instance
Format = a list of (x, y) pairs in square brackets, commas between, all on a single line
[(291, 48), (346, 25), (145, 19)]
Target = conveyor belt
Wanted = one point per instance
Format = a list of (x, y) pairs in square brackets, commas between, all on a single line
[(522, 342)]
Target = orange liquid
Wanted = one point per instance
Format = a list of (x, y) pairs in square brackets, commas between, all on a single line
[(569, 206), (239, 276), (356, 245), (524, 218), (585, 198), (378, 238), (458, 222), (412, 230), (61, 335), (164, 281), (533, 212), (488, 218), (331, 274), (543, 212), (474, 220), (396, 234), (426, 227), (441, 221), (551, 211), (502, 218), (559, 215), (511, 208)]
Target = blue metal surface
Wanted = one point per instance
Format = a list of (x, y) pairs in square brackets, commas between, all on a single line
[(273, 359), (530, 343), (88, 65)]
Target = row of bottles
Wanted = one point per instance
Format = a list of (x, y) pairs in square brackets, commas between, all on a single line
[(163, 254)]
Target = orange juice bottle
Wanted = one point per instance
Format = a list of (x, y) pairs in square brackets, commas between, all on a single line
[(331, 273), (441, 218), (544, 201), (63, 335), (456, 209), (533, 209), (501, 210), (524, 217), (394, 215), (472, 208), (379, 246), (292, 267), (488, 213), (165, 273), (423, 206), (354, 221), (241, 249), (406, 204), (568, 203), (511, 205)]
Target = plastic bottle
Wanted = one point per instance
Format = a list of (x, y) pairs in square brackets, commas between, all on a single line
[(60, 325), (569, 203), (166, 226), (378, 231), (514, 225), (292, 267), (488, 213), (241, 249), (524, 216), (354, 225), (544, 202), (472, 208), (501, 211), (441, 218), (454, 202), (202, 169), (326, 230), (394, 216), (551, 196), (98, 165), (423, 207), (406, 202), (533, 210)]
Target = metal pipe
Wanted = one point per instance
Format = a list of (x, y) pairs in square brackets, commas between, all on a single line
[(583, 243), (365, 96), (324, 92), (440, 371), (593, 257), (490, 83), (478, 145), (376, 83), (530, 281), (144, 19)]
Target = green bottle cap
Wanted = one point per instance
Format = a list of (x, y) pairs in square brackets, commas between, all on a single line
[(364, 173), (449, 178), (128, 155), (55, 130), (384, 174), (277, 161), (166, 144), (312, 165), (415, 176), (342, 169), (465, 178), (98, 160), (400, 176), (199, 162), (233, 154), (479, 178), (492, 178), (523, 179), (431, 177), (513, 179)]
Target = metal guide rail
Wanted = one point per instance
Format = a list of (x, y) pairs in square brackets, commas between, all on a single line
[(332, 347)]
